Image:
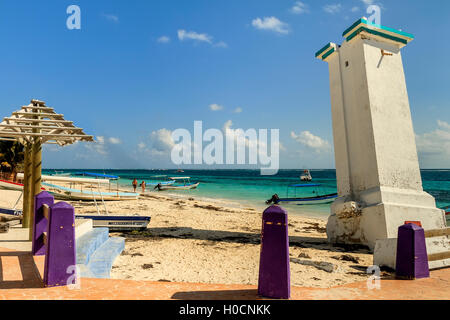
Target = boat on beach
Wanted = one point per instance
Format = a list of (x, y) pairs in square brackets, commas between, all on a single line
[(12, 212), (9, 185), (180, 183), (117, 222), (318, 197), (160, 179), (65, 193), (85, 192)]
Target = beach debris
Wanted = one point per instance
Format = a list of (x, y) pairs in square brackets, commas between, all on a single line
[(321, 265), (164, 280), (4, 227), (304, 255), (138, 254), (8, 221), (191, 199), (147, 266), (314, 226), (214, 208), (347, 257)]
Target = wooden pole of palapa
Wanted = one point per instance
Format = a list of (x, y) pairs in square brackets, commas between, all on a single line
[(27, 197), (36, 167)]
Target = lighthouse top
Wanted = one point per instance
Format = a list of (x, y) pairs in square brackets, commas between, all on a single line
[(369, 30)]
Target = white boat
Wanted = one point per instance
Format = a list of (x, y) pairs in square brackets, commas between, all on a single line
[(306, 176), (318, 198), (160, 179), (64, 193), (71, 180), (8, 185), (117, 223), (13, 212), (184, 185)]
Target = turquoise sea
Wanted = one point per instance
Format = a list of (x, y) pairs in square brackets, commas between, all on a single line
[(249, 188)]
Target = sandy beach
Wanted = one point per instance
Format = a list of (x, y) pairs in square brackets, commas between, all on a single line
[(195, 241), (199, 241)]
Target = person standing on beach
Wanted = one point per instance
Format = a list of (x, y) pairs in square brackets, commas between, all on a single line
[(143, 186), (134, 184)]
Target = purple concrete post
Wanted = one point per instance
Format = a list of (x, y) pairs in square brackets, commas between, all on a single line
[(60, 245), (412, 257), (40, 222), (274, 269)]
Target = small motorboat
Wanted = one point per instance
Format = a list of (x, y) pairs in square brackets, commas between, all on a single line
[(64, 193), (160, 179), (318, 198), (306, 176), (181, 183), (116, 222), (9, 185), (12, 212)]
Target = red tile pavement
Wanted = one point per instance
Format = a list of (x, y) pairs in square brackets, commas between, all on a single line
[(20, 278)]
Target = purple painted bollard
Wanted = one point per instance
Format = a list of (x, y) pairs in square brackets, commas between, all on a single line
[(274, 269), (412, 258), (61, 250), (40, 222)]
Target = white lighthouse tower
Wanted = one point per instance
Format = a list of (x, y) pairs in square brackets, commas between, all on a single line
[(378, 176)]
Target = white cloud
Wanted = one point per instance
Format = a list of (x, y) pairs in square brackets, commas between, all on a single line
[(162, 140), (142, 146), (332, 8), (368, 2), (271, 24), (98, 145), (192, 35), (238, 110), (221, 44), (309, 140), (111, 17), (113, 140), (163, 39), (299, 8), (443, 124), (215, 107), (200, 37), (434, 147), (355, 9)]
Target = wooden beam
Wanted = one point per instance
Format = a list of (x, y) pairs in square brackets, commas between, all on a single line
[(439, 256), (437, 233), (37, 108), (27, 198), (43, 135), (36, 173), (46, 211), (37, 102), (23, 120), (30, 114), (23, 126)]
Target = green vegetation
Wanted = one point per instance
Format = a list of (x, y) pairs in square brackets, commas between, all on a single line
[(11, 157)]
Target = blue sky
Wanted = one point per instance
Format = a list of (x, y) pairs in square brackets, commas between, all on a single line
[(138, 70)]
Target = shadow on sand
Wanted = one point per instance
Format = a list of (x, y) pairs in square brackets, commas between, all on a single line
[(20, 271), (155, 234)]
